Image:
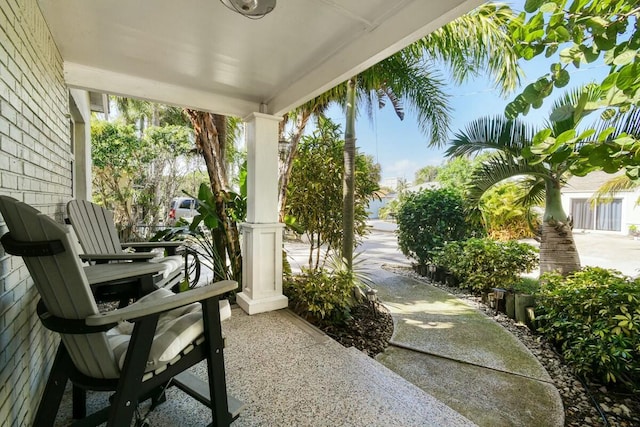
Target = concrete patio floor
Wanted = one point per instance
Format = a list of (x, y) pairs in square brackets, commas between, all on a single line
[(288, 373)]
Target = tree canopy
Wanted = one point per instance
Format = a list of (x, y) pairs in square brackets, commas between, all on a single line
[(574, 33)]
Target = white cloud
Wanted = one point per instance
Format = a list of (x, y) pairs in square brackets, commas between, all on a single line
[(406, 168), (403, 168)]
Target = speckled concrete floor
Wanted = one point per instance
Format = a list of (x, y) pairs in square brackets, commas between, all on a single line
[(290, 374)]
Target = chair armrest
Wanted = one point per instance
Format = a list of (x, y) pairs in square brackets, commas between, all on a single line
[(146, 308), (145, 256), (152, 245), (111, 273)]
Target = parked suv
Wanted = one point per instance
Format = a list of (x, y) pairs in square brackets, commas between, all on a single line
[(182, 207)]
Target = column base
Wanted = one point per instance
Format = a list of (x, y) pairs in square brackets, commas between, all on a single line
[(255, 306)]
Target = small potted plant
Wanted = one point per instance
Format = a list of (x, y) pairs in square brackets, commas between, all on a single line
[(634, 231)]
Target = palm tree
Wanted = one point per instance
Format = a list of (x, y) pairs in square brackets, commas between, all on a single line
[(474, 42), (514, 155), (462, 46)]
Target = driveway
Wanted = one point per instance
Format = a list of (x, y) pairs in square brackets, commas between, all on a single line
[(605, 250)]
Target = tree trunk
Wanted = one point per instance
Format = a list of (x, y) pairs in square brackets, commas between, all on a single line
[(348, 183), (286, 166), (557, 248), (210, 144)]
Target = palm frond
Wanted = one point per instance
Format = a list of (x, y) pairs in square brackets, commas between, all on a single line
[(627, 122), (606, 192), (491, 133), (418, 86), (497, 168), (571, 98), (535, 192), (477, 41)]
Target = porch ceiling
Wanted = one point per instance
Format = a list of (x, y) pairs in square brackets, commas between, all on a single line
[(200, 54)]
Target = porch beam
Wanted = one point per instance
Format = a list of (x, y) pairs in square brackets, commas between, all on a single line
[(111, 82)]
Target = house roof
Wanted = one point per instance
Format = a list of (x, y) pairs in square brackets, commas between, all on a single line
[(588, 183), (200, 54)]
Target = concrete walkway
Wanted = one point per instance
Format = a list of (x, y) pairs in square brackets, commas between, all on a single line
[(452, 351), (464, 359)]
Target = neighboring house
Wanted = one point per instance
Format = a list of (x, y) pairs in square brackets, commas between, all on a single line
[(376, 204), (614, 216)]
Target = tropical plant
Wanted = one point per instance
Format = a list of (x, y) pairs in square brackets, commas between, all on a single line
[(132, 175), (211, 131), (503, 215), (515, 152), (582, 31), (593, 316), (202, 233), (426, 174), (427, 220), (315, 189), (320, 295), (484, 264), (410, 77), (166, 132), (456, 172)]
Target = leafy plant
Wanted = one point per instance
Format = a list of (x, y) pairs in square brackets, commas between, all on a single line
[(594, 317), (527, 285), (326, 297), (428, 220), (503, 213), (205, 234), (577, 32), (314, 194), (484, 264)]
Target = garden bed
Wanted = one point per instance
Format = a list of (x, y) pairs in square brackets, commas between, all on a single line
[(369, 329)]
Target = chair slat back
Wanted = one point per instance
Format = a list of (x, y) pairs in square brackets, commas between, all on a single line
[(62, 284), (94, 227)]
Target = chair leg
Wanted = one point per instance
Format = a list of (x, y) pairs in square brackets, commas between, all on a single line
[(79, 397), (215, 363), (129, 385), (159, 395), (53, 391)]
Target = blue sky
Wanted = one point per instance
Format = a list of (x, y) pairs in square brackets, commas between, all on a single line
[(401, 148)]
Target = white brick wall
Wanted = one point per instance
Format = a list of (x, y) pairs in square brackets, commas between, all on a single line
[(35, 166)]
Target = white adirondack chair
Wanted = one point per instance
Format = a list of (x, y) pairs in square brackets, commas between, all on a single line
[(136, 351), (99, 240)]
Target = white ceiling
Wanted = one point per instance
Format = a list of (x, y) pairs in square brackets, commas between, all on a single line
[(198, 53)]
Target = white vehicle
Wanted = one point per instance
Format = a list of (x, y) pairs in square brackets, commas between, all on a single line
[(182, 207)]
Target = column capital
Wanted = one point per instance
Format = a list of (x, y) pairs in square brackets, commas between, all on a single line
[(263, 116)]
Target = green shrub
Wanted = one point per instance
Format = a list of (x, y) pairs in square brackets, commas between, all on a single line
[(318, 295), (429, 219), (594, 318), (527, 285), (484, 264)]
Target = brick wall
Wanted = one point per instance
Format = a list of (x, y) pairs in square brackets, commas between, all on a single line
[(35, 166)]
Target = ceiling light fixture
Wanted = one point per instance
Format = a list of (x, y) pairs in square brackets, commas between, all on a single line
[(252, 9)]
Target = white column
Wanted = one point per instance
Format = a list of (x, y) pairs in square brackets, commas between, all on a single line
[(262, 233)]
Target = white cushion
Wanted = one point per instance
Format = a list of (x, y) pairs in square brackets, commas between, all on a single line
[(176, 330), (169, 264)]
